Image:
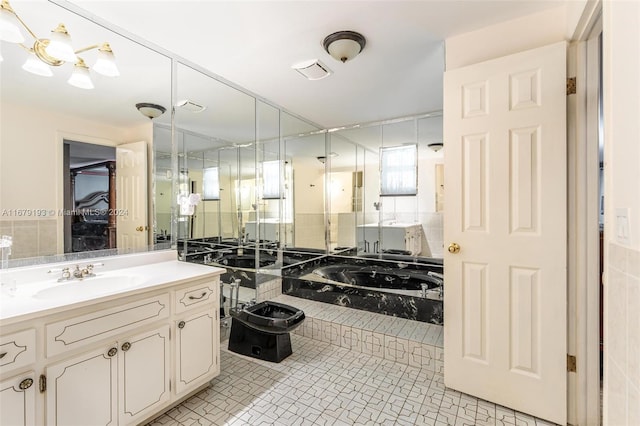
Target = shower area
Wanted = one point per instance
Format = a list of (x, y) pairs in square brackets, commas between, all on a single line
[(350, 216)]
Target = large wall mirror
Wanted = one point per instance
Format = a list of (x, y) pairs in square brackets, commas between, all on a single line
[(233, 169), (59, 142), (385, 189)]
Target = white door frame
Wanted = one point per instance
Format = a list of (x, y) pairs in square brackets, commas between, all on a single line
[(583, 386)]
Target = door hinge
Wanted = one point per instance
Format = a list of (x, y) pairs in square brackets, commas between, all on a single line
[(42, 383), (571, 86), (169, 385), (571, 363)]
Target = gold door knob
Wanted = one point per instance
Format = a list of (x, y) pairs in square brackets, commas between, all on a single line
[(454, 248), (139, 229)]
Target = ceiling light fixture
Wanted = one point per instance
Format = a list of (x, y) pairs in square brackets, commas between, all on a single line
[(312, 69), (150, 110), (55, 51), (344, 45), (435, 146)]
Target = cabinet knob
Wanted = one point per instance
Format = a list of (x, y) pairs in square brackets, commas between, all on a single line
[(454, 248), (126, 346), (25, 384), (112, 352), (181, 324)]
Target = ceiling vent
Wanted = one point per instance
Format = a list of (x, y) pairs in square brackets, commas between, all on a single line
[(190, 106), (312, 69)]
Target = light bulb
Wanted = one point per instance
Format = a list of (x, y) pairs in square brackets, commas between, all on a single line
[(36, 66), (106, 62), (80, 76), (9, 24), (60, 45)]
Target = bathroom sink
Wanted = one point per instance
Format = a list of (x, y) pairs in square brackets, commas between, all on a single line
[(93, 286)]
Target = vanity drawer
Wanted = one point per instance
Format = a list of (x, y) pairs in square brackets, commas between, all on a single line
[(81, 330), (203, 293), (17, 350)]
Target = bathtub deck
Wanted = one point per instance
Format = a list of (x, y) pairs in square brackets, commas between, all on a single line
[(414, 343)]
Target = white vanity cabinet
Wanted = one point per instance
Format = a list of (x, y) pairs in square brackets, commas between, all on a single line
[(133, 371), (196, 355), (197, 339), (392, 236), (269, 230), (18, 400), (118, 360), (18, 392)]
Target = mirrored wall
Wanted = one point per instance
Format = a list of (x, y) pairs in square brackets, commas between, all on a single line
[(60, 143), (230, 179)]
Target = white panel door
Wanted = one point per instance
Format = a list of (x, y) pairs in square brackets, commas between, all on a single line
[(197, 350), (18, 400), (143, 374), (83, 390), (131, 195), (505, 295)]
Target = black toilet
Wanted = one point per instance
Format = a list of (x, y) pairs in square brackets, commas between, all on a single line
[(262, 330)]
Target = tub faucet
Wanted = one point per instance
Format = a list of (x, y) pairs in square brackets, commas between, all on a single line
[(425, 289), (235, 285), (439, 278)]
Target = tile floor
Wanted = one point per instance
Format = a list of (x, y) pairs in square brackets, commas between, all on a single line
[(323, 384)]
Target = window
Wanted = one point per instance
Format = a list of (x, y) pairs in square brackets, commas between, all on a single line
[(211, 184), (271, 179), (399, 170)]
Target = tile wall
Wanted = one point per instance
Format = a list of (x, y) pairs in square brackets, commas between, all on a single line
[(31, 238), (413, 343), (622, 337)]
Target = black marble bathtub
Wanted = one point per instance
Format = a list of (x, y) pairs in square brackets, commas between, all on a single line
[(389, 284), (400, 287)]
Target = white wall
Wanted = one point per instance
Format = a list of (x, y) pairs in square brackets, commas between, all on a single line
[(539, 29), (31, 171), (621, 69)]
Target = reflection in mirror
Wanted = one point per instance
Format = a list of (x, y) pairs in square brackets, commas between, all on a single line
[(406, 224), (275, 195), (305, 151), (43, 115), (214, 122), (344, 191)]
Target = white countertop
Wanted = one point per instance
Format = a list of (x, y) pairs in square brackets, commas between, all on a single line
[(132, 274)]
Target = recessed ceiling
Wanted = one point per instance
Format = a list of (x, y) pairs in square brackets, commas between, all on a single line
[(254, 43)]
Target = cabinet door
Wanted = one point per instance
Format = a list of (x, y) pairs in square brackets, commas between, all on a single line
[(18, 400), (197, 347), (82, 390), (143, 374), (394, 238)]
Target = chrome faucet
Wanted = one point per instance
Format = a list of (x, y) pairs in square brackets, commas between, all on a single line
[(425, 289), (66, 274), (78, 273)]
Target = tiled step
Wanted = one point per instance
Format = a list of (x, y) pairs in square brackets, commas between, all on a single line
[(414, 343)]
